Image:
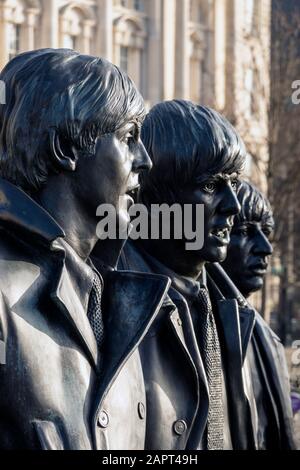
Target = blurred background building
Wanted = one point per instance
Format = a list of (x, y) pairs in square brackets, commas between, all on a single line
[(221, 53), (284, 162), (211, 51)]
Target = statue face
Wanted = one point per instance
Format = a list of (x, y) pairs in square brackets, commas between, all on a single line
[(217, 193), (112, 173), (248, 253)]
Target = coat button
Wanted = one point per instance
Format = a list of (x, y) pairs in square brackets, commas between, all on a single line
[(103, 419), (141, 410), (180, 426)]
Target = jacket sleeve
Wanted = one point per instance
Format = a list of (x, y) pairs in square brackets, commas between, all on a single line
[(277, 372)]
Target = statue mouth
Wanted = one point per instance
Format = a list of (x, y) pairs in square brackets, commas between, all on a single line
[(133, 191), (222, 234), (258, 269)]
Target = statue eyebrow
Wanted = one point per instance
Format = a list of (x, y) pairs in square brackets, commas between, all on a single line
[(226, 177), (253, 223), (219, 177), (130, 126), (137, 129), (268, 226)]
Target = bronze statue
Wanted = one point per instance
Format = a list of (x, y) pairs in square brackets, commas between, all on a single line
[(249, 249), (246, 263), (197, 158), (70, 373)]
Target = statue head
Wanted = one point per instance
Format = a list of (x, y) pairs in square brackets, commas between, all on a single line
[(250, 248), (197, 157), (73, 114)]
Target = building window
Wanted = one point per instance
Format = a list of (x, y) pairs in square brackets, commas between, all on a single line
[(249, 14), (69, 41), (71, 28), (195, 11), (255, 94), (256, 24), (138, 5), (249, 92), (196, 80), (253, 17), (124, 58), (248, 166), (13, 31), (76, 29), (129, 45)]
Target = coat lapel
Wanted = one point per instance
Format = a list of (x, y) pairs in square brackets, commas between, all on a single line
[(247, 322), (189, 343), (131, 303), (227, 317), (70, 293), (237, 325), (270, 354), (68, 300), (242, 316), (229, 324)]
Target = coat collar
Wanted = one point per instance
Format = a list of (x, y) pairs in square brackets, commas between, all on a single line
[(129, 305), (235, 324), (131, 302), (238, 332), (19, 213), (227, 315), (70, 292), (236, 321), (72, 278), (176, 311)]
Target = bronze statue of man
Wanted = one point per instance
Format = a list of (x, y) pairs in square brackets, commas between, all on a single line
[(246, 264), (250, 248), (70, 373), (197, 158)]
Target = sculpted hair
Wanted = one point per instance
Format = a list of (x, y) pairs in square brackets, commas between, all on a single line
[(186, 142), (82, 97), (254, 205)]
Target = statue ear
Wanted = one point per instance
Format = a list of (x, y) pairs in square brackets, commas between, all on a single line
[(63, 153)]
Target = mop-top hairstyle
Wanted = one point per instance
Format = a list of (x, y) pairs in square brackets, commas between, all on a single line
[(254, 206), (80, 96), (186, 143)]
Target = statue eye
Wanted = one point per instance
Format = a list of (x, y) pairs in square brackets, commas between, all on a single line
[(209, 187), (129, 138), (234, 185), (267, 232), (242, 231)]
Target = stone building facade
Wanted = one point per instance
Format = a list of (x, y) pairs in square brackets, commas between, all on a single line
[(214, 52)]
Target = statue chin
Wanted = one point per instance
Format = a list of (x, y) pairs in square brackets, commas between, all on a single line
[(252, 285), (216, 254)]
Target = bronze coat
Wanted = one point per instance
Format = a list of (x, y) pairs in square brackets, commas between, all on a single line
[(56, 392), (267, 363), (176, 383)]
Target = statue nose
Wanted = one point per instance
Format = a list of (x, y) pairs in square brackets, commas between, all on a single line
[(141, 160), (230, 203), (263, 245)]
